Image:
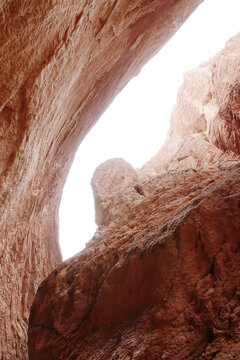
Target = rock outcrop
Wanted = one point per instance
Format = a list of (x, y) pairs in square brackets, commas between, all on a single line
[(62, 63), (113, 177), (162, 282), (205, 117), (161, 279)]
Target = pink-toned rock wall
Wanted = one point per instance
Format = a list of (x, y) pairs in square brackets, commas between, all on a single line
[(62, 63)]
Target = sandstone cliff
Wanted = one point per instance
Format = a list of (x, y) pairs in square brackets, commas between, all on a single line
[(62, 62), (160, 278)]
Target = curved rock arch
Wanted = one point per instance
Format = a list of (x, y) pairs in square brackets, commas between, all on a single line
[(63, 63)]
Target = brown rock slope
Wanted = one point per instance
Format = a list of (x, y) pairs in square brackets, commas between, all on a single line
[(62, 62), (162, 282)]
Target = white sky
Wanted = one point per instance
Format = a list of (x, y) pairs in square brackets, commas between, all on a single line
[(135, 125)]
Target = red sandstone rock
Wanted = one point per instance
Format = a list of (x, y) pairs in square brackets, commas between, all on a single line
[(162, 282), (62, 63)]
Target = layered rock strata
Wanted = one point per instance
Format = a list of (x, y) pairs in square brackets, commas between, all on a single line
[(62, 63)]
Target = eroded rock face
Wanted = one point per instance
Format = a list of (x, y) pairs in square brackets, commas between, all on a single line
[(161, 282), (205, 120), (62, 63)]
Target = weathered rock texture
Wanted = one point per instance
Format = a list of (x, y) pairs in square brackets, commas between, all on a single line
[(205, 117), (161, 280), (111, 178), (62, 62)]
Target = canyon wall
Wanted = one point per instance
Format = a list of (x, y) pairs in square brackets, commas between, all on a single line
[(62, 63), (160, 278), (205, 119)]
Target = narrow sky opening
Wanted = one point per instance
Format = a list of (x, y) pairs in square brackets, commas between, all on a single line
[(134, 126)]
